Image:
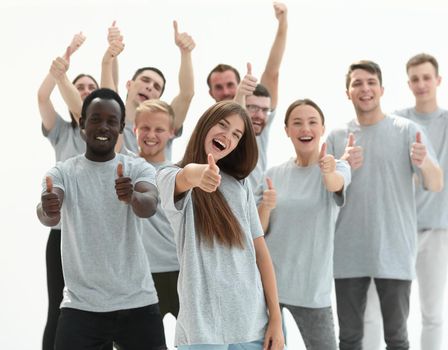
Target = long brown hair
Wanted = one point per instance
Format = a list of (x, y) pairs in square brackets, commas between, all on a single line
[(214, 219)]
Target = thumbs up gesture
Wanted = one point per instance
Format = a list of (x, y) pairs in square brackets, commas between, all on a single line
[(115, 40), (248, 84), (123, 185), (184, 41), (327, 163), (269, 195), (60, 65), (418, 151), (51, 204), (210, 178), (353, 153)]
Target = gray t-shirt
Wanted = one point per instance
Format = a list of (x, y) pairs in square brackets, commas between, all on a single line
[(103, 259), (220, 291), (66, 141), (432, 207), (257, 175), (376, 230), (301, 232), (158, 238), (130, 140)]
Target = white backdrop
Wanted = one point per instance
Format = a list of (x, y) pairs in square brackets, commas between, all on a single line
[(324, 37)]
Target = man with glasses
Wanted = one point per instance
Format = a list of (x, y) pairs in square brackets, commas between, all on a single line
[(260, 100)]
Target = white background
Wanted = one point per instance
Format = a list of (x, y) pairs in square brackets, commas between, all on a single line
[(324, 38)]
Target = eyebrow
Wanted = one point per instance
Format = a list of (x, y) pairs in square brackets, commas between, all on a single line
[(228, 123)]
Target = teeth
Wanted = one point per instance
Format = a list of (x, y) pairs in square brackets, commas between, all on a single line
[(220, 144), (150, 143), (305, 138), (101, 138)]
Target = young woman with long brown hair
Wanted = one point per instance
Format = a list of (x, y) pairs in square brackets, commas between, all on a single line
[(226, 281)]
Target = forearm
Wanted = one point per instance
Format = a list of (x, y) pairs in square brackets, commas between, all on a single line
[(115, 76), (240, 98), (268, 279), (71, 96), (181, 102), (265, 214), (270, 76), (107, 72), (46, 220), (333, 181), (46, 108), (144, 204), (432, 175), (188, 178)]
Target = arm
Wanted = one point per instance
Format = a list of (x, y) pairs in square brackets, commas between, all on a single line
[(267, 204), (269, 78), (144, 199), (181, 102), (68, 91), (49, 209), (274, 334), (431, 172), (333, 180), (46, 108), (432, 175), (109, 64), (204, 176)]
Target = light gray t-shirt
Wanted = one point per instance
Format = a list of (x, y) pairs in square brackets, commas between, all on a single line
[(103, 259), (376, 230), (220, 291), (66, 141), (301, 232), (130, 140), (257, 175), (158, 238), (432, 207)]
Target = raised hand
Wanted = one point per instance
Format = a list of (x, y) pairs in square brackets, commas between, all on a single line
[(51, 205), (327, 163), (115, 40), (210, 178), (248, 84), (123, 185), (60, 65), (183, 40), (353, 154), (280, 10), (269, 195), (77, 41), (418, 151)]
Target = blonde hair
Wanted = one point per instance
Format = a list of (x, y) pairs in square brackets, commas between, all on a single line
[(154, 106)]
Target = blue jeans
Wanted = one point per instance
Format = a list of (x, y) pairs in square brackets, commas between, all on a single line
[(253, 345), (316, 326)]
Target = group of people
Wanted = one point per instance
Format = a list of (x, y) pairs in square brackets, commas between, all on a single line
[(220, 241)]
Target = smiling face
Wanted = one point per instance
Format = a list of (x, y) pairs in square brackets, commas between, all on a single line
[(153, 129), (223, 85), (223, 137), (365, 91), (147, 85), (304, 127), (102, 125), (258, 108), (423, 82)]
